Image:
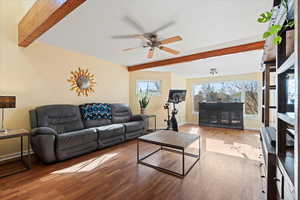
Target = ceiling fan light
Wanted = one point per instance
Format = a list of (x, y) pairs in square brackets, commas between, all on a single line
[(213, 71)]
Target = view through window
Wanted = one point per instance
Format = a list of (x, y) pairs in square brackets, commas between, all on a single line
[(230, 91), (151, 86)]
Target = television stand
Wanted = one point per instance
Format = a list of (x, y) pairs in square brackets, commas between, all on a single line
[(223, 115)]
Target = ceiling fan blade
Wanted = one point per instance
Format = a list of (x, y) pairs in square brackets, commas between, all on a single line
[(142, 37), (170, 40), (125, 36), (164, 26), (150, 53), (130, 20), (129, 49), (169, 50)]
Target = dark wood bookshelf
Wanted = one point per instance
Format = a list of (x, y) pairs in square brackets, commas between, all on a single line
[(272, 65), (287, 117), (272, 87), (281, 60), (287, 161), (288, 64), (267, 86), (270, 107), (287, 122), (291, 131), (267, 132), (269, 155)]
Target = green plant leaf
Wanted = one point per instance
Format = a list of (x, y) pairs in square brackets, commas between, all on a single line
[(274, 29), (265, 17), (277, 40), (266, 35), (290, 24), (260, 20), (269, 14)]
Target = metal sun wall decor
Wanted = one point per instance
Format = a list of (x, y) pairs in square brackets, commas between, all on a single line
[(82, 82)]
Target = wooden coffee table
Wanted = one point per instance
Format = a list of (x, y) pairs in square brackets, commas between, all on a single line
[(169, 141)]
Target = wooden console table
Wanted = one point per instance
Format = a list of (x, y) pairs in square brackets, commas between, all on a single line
[(18, 133)]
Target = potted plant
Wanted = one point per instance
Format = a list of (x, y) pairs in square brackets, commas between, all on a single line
[(144, 99), (275, 30)]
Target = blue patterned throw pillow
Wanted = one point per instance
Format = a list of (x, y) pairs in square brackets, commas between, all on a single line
[(95, 111)]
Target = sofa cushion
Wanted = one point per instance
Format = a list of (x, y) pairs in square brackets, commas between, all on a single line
[(133, 135), (62, 118), (75, 138), (110, 131), (121, 113), (96, 123), (134, 126), (76, 150)]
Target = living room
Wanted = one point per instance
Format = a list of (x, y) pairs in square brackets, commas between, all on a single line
[(144, 100)]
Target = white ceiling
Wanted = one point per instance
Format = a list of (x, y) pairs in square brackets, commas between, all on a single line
[(240, 63), (201, 24)]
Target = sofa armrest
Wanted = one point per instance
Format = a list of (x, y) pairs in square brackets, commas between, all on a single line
[(43, 143), (43, 131), (138, 117), (142, 118)]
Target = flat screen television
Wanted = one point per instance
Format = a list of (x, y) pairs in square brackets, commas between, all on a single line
[(176, 96)]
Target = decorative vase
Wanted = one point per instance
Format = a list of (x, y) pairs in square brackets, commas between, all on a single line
[(143, 111)]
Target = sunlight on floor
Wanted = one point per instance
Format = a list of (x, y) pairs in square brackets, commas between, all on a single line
[(86, 166), (194, 130), (235, 149)]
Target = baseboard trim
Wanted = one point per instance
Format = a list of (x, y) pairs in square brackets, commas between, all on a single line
[(13, 156)]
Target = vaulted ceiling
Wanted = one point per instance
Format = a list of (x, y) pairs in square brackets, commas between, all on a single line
[(241, 63), (91, 28)]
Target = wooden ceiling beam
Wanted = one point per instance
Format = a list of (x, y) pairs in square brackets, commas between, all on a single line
[(42, 16), (201, 55)]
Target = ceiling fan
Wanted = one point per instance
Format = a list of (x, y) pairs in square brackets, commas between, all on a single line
[(152, 42), (150, 39)]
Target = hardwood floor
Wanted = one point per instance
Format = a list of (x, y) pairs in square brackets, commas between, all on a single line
[(228, 170)]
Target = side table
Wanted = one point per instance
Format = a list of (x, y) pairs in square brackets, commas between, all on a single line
[(18, 133), (154, 117)]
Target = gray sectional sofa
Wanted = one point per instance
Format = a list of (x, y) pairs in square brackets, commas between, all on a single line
[(60, 132)]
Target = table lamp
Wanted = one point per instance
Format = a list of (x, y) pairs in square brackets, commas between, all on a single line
[(6, 102)]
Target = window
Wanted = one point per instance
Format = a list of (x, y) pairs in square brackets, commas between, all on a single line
[(230, 91), (151, 86), (251, 97)]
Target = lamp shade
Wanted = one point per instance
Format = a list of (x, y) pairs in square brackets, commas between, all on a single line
[(7, 101)]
